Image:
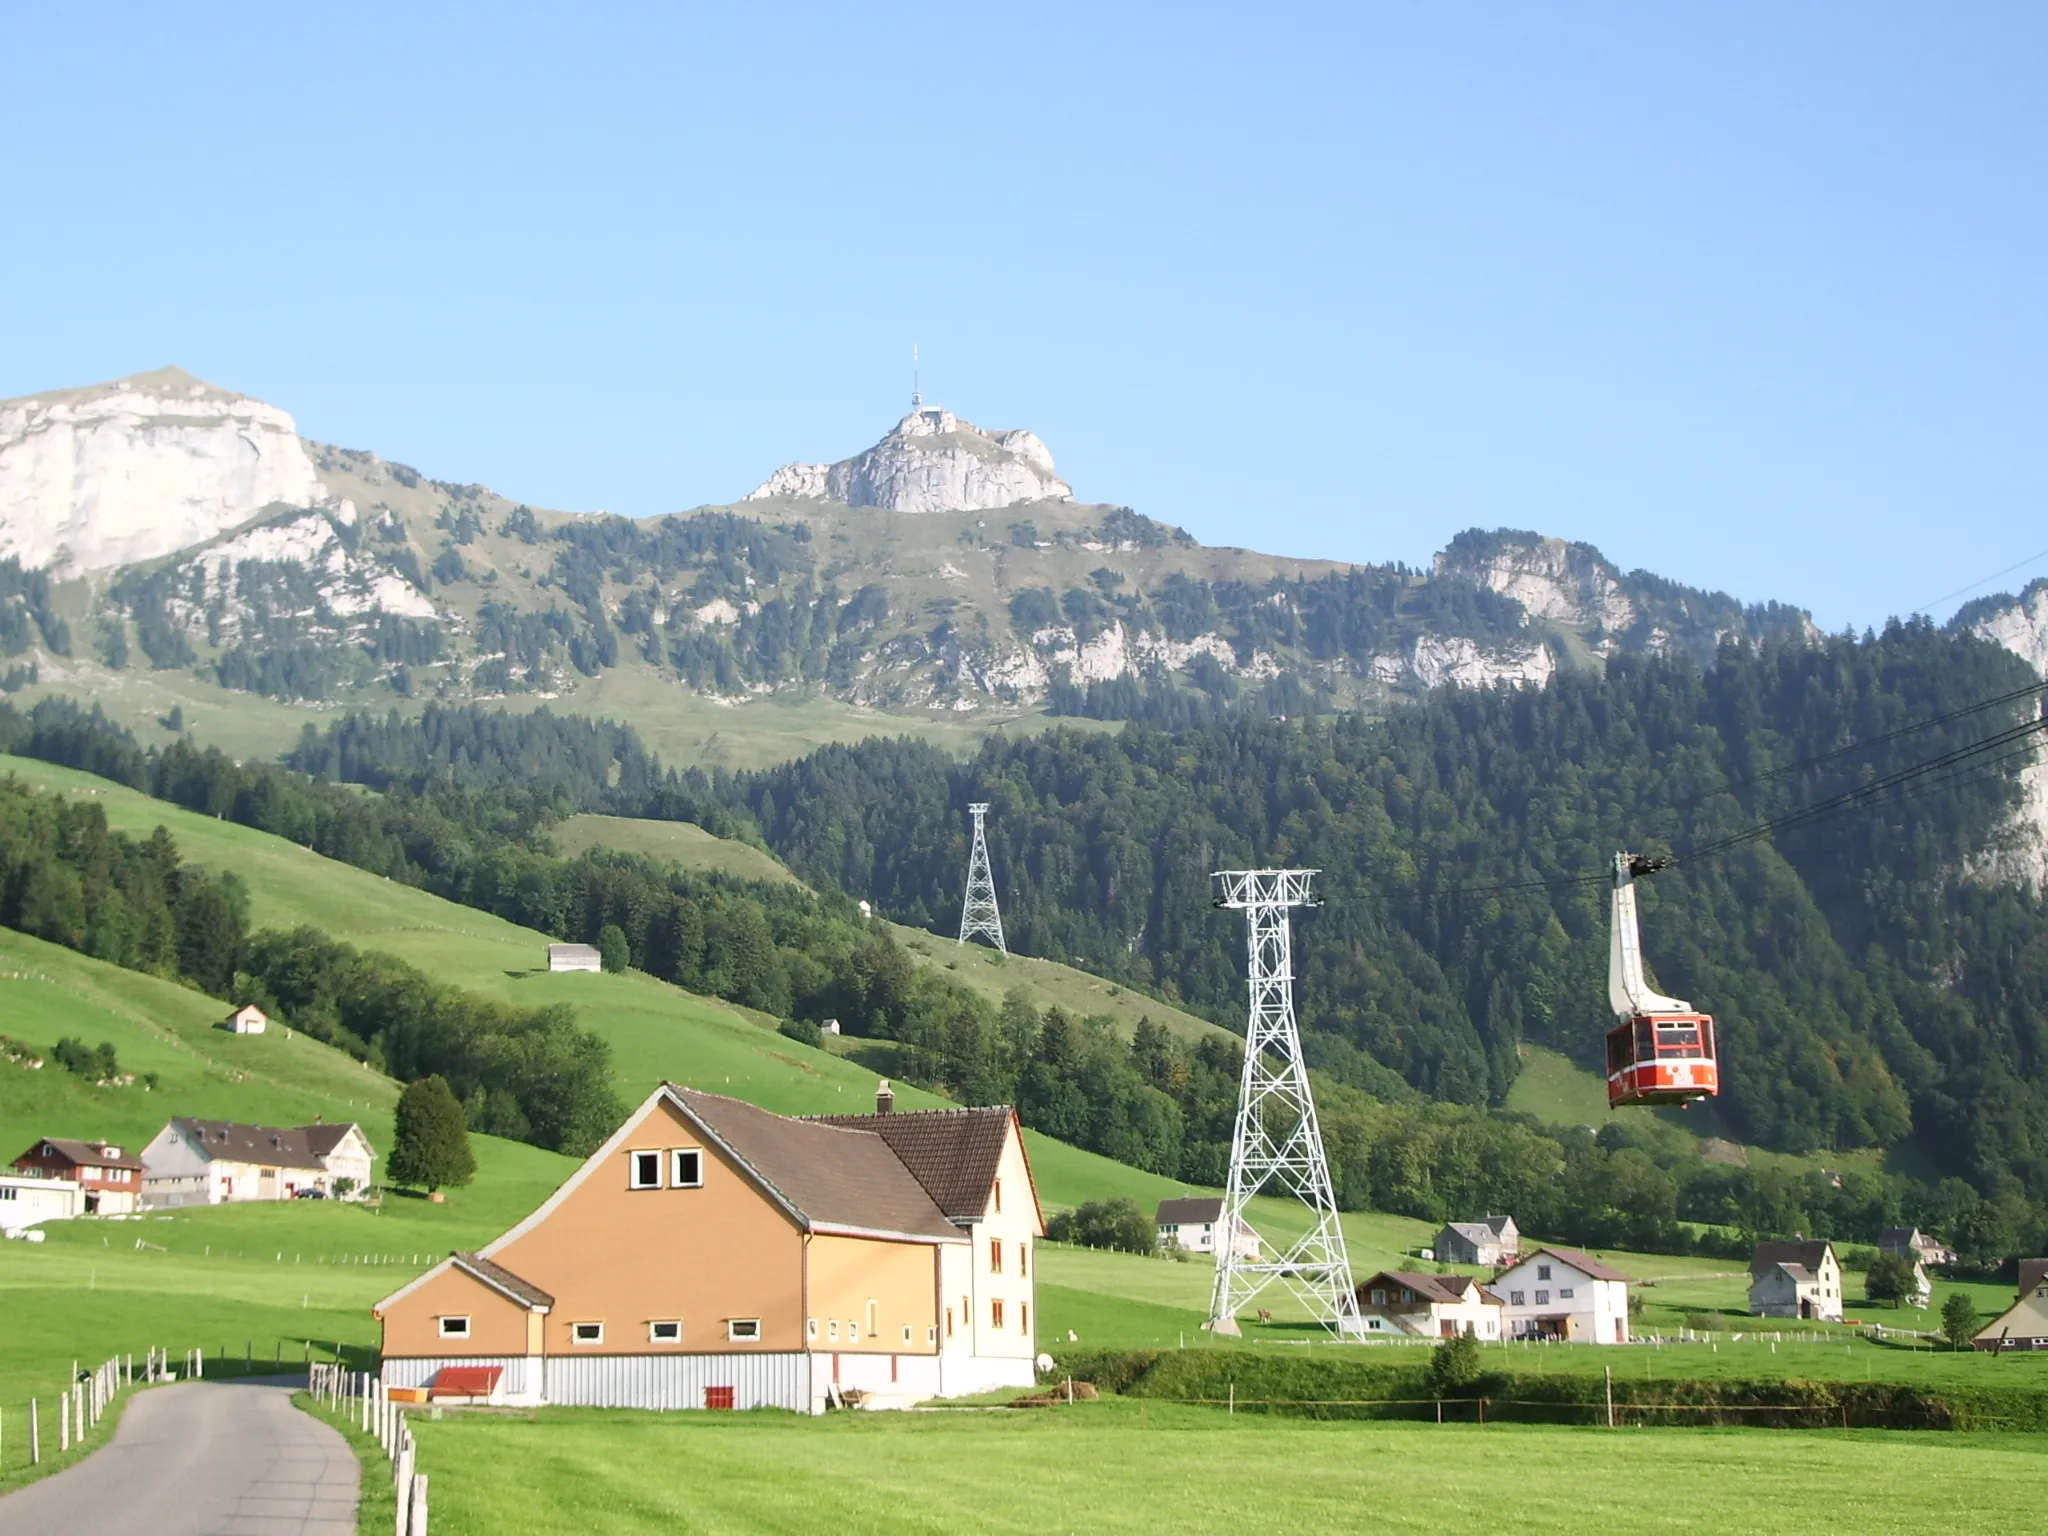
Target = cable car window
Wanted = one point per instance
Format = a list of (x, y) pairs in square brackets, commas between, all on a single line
[(1678, 1040)]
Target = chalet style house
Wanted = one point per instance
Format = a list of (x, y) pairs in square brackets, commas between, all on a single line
[(214, 1162), (714, 1255), (1561, 1293), (1799, 1278), (1397, 1301), (1491, 1243), (109, 1180)]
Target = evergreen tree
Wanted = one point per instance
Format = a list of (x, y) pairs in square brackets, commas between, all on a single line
[(431, 1148), (612, 950)]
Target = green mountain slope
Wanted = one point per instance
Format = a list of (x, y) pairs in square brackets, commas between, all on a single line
[(655, 1031), (1049, 983)]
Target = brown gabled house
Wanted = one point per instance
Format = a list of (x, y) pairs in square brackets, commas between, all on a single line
[(714, 1255), (109, 1177)]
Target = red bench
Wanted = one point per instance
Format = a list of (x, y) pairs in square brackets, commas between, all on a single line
[(466, 1380)]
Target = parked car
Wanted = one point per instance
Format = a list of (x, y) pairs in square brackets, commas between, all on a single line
[(309, 1194)]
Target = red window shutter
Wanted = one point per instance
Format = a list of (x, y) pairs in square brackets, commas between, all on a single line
[(718, 1397)]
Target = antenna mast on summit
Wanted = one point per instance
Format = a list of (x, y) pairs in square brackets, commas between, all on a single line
[(916, 397), (1277, 1141), (978, 914)]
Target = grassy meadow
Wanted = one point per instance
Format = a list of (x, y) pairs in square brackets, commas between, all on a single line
[(1132, 1466)]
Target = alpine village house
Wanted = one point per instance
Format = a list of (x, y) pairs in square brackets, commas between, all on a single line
[(714, 1255)]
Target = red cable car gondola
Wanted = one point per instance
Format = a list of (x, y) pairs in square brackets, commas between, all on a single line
[(1661, 1052)]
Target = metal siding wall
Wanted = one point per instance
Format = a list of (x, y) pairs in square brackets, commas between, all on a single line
[(678, 1381)]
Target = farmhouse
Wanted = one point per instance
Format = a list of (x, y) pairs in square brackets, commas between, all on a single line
[(213, 1162), (1396, 1301), (26, 1201), (1561, 1293), (714, 1255), (574, 957), (108, 1179), (1196, 1222), (1493, 1242), (1800, 1278), (1914, 1246), (246, 1020)]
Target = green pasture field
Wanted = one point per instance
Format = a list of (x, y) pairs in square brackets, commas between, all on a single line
[(1127, 1465), (678, 842)]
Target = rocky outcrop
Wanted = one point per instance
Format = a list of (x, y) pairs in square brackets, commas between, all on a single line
[(931, 462), (303, 568), (2021, 627), (1433, 660), (1569, 584), (108, 475)]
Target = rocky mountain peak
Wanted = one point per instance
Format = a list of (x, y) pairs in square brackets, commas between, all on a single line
[(139, 467), (930, 461)]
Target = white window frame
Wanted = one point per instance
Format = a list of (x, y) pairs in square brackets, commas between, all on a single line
[(1564, 1293), (832, 1329), (675, 1168), (906, 1333), (576, 1334), (852, 1331), (454, 1332), (811, 1329), (633, 1179), (743, 1330), (655, 1335)]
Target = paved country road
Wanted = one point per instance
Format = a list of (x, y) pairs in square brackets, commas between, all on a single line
[(201, 1459)]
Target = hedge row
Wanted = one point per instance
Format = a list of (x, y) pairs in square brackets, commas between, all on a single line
[(1345, 1385)]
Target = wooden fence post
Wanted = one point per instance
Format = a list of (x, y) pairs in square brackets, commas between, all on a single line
[(416, 1524), (35, 1436), (1609, 1370)]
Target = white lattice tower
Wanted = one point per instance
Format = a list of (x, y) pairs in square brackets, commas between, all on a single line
[(1277, 1146), (978, 914)]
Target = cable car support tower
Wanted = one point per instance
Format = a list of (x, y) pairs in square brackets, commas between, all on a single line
[(1278, 1142), (978, 913)]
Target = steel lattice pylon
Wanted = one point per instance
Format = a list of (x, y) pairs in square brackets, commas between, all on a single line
[(978, 914), (1277, 1141)]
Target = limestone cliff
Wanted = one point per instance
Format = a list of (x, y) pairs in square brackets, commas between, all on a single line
[(2020, 624), (930, 462), (108, 475)]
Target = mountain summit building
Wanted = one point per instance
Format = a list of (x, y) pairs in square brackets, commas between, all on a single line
[(714, 1255)]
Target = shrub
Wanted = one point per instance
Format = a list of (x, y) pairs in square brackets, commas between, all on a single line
[(1958, 1320), (1454, 1364), (612, 951), (1114, 1224), (803, 1030), (95, 1064)]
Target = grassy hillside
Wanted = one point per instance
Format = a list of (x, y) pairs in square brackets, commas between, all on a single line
[(1050, 984)]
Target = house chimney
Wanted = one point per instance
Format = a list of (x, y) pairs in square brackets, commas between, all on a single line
[(885, 1098)]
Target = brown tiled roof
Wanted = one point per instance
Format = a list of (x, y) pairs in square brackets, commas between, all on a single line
[(832, 1176), (279, 1146), (79, 1153), (499, 1278), (1190, 1208), (1437, 1288), (322, 1139), (953, 1153), (2032, 1273), (1809, 1253), (1583, 1262)]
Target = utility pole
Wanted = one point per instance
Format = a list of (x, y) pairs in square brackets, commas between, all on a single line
[(978, 914), (1277, 1141)]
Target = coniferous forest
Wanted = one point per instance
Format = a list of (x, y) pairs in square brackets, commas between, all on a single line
[(1879, 974)]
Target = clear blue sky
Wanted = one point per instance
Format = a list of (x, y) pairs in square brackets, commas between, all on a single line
[(1748, 294)]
